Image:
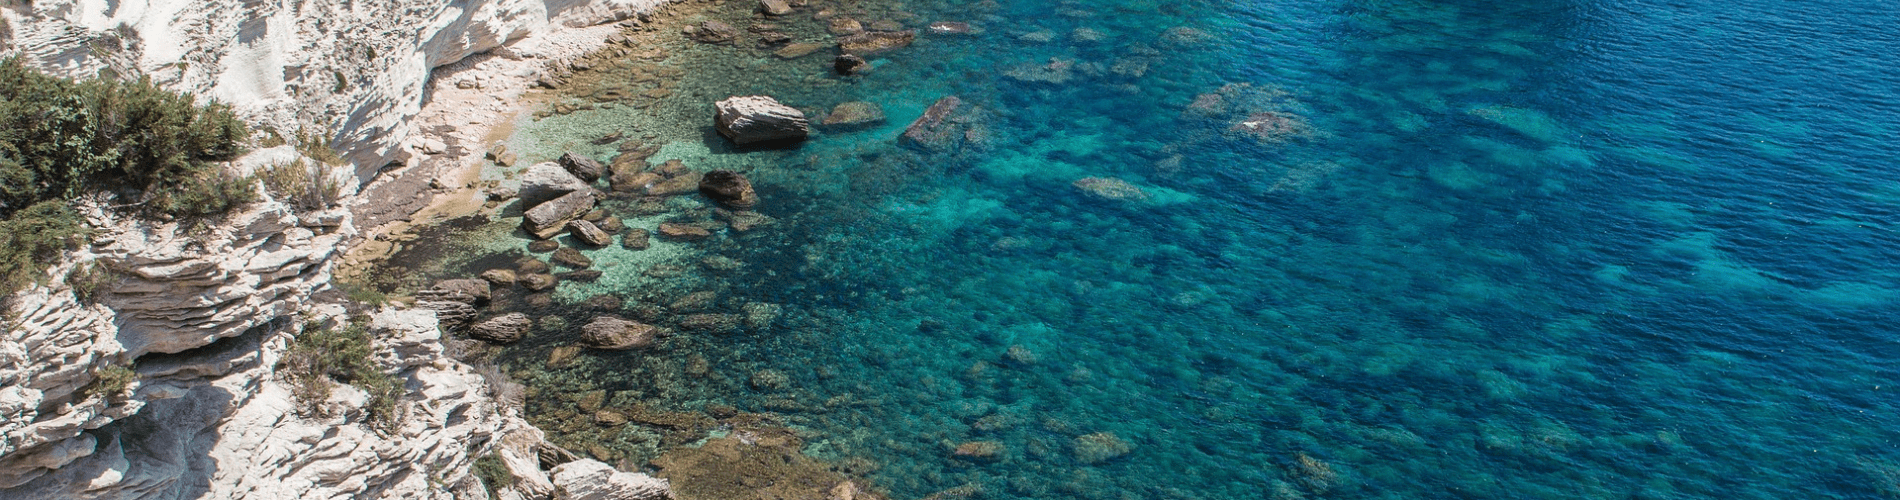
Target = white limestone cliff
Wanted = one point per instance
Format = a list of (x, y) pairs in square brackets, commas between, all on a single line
[(355, 70)]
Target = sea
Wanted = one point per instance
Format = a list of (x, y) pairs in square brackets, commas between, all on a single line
[(1249, 249)]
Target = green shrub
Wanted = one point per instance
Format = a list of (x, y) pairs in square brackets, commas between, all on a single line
[(60, 138), (110, 383), (322, 356), (493, 473), (88, 280), (35, 237), (300, 185)]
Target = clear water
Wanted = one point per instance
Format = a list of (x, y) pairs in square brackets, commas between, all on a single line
[(1544, 249)]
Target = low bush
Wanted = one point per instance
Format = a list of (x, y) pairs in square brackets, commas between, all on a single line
[(32, 238), (300, 185), (323, 356)]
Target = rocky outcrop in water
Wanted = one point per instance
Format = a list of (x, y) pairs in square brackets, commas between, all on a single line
[(546, 220), (728, 188), (611, 333), (753, 119), (936, 130), (586, 169), (873, 42), (546, 181)]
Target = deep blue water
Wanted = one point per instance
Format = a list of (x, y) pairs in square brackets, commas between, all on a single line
[(1538, 249)]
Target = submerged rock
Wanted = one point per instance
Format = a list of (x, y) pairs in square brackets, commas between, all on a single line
[(504, 329), (935, 131), (548, 219), (844, 26), (584, 168), (570, 257), (499, 277), (589, 233), (853, 115), (539, 282), (466, 291), (717, 323), (951, 28), (1110, 188), (543, 246), (681, 184), (611, 333), (751, 119), (981, 451), (775, 7), (728, 188), (848, 64), (636, 239), (684, 232), (547, 181), (629, 181), (872, 42), (798, 50), (1100, 447), (712, 32)]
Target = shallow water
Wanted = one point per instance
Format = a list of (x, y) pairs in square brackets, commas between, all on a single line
[(1504, 250)]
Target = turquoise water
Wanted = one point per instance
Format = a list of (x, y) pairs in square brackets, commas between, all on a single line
[(1533, 249)]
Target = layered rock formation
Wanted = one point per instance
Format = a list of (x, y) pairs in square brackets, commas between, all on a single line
[(357, 70)]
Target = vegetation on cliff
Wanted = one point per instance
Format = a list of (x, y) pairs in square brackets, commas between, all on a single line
[(60, 138)]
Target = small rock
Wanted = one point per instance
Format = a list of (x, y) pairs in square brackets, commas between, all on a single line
[(543, 246), (845, 26), (546, 181), (584, 275), (1100, 447), (584, 168), (568, 256), (751, 119), (872, 42), (612, 225), (507, 159), (1110, 188), (853, 115), (539, 282), (504, 329), (530, 265), (848, 64), (713, 32), (499, 193), (636, 239), (561, 357), (466, 291), (548, 219), (718, 323), (672, 168), (981, 451), (775, 7), (769, 380), (950, 28), (683, 232), (728, 188), (603, 302), (770, 38), (609, 418), (615, 334), (760, 315), (589, 233), (675, 186), (499, 277), (634, 181), (696, 301), (798, 50), (743, 220), (935, 131)]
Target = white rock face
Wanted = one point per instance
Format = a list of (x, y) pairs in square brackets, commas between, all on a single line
[(169, 290), (355, 69), (588, 479)]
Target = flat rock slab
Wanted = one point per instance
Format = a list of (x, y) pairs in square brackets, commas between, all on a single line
[(872, 42), (546, 181), (753, 119), (546, 220), (935, 131)]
